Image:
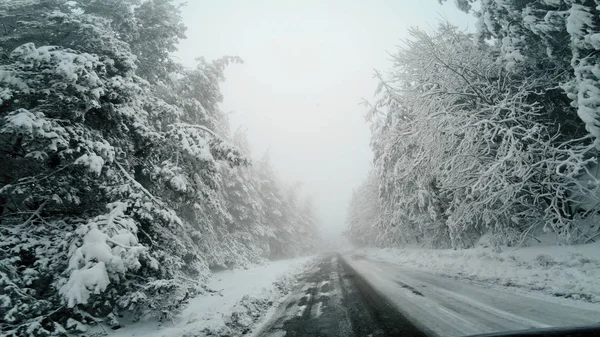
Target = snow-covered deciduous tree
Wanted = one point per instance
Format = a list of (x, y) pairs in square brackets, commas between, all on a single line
[(464, 147), (363, 212), (557, 40)]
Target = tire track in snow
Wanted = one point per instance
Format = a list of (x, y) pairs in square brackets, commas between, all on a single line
[(334, 301)]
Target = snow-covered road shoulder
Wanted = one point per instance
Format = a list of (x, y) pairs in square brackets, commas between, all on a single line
[(444, 306), (238, 300), (561, 271)]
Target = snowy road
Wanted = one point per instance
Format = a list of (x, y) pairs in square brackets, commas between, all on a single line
[(353, 296), (451, 307), (331, 300)]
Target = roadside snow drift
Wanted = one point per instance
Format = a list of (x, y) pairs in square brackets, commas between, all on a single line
[(562, 271), (238, 299)]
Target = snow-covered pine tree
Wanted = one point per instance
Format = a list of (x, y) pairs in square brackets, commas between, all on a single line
[(113, 191), (84, 233), (65, 71), (245, 205), (294, 227)]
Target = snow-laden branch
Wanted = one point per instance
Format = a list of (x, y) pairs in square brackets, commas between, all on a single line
[(137, 184), (462, 167)]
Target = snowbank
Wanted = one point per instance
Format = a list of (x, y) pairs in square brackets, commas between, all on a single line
[(562, 271), (238, 300)]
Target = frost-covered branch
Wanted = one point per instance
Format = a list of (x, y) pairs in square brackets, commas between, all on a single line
[(460, 167)]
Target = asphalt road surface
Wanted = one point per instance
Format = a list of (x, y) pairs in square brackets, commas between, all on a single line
[(335, 301), (353, 296)]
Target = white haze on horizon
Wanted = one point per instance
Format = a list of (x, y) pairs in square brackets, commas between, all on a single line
[(307, 66)]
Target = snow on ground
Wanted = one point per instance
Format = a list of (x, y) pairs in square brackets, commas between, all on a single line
[(453, 307), (562, 271), (241, 298)]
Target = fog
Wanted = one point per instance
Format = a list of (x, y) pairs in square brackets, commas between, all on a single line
[(307, 66)]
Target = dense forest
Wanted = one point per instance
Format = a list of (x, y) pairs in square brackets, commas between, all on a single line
[(493, 134), (121, 183)]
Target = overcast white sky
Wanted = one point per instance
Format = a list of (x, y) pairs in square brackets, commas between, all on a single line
[(307, 65)]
